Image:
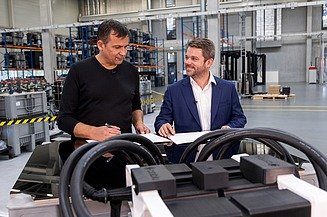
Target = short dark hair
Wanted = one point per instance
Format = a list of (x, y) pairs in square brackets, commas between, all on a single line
[(111, 26), (207, 46)]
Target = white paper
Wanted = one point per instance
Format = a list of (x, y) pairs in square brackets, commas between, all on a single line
[(178, 138), (61, 139), (181, 138), (155, 138)]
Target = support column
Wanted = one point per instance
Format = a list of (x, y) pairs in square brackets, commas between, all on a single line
[(308, 59), (11, 14), (203, 22), (48, 41), (214, 34), (248, 30), (322, 62), (148, 7)]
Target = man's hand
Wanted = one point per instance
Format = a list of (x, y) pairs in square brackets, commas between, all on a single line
[(95, 133), (102, 133), (140, 128), (225, 127), (166, 130)]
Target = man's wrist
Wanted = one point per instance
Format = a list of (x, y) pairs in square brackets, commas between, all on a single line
[(138, 123), (83, 130)]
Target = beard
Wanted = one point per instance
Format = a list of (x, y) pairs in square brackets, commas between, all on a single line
[(195, 71), (190, 71)]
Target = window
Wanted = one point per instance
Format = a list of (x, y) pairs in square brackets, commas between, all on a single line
[(268, 23), (171, 28), (324, 16), (170, 22), (170, 3), (172, 67)]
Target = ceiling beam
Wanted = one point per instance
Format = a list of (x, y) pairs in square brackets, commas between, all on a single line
[(178, 12)]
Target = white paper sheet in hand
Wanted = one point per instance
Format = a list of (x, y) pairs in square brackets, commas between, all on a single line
[(155, 138), (181, 138)]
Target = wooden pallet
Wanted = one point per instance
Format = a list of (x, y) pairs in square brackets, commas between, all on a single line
[(272, 96)]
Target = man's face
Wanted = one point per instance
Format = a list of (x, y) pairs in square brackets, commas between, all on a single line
[(195, 63), (115, 50)]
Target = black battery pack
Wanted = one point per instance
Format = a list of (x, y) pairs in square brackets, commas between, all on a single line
[(264, 168), (155, 177), (179, 171), (204, 206), (209, 175), (272, 202)]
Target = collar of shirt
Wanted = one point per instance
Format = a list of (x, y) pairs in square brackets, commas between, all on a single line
[(211, 80)]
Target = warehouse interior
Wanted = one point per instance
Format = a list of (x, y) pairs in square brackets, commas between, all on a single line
[(274, 51)]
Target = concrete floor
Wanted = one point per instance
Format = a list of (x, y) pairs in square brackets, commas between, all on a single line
[(304, 115)]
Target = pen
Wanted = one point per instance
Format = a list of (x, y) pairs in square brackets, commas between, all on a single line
[(111, 126)]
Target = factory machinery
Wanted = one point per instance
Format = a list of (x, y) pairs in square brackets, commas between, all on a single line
[(245, 185)]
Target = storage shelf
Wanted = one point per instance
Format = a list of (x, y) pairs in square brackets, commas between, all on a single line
[(148, 67), (143, 54), (147, 47), (22, 69), (10, 46), (66, 50)]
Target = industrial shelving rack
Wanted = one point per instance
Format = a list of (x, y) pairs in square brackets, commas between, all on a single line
[(145, 52), (28, 61), (19, 61)]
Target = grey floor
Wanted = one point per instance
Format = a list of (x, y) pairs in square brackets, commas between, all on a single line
[(304, 115)]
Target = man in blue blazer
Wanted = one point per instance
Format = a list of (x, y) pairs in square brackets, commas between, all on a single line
[(201, 101)]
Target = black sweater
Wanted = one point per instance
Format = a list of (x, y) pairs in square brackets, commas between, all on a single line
[(95, 95)]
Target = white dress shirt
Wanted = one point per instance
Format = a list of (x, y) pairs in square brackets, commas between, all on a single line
[(203, 104)]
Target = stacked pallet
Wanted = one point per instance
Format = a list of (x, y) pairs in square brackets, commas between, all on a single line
[(275, 91), (272, 96)]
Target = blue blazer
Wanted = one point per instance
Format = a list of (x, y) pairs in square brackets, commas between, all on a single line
[(179, 107)]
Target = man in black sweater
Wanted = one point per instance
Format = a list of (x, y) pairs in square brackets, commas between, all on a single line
[(103, 89), (101, 99)]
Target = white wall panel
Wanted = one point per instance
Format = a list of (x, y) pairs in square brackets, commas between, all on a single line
[(183, 2), (158, 3), (294, 20), (316, 18), (124, 5), (26, 13), (292, 63), (292, 55), (233, 25), (65, 11), (4, 17)]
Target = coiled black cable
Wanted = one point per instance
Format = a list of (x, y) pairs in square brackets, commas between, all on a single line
[(72, 160), (148, 144), (65, 176), (318, 160), (76, 188), (275, 146), (202, 140), (211, 136)]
